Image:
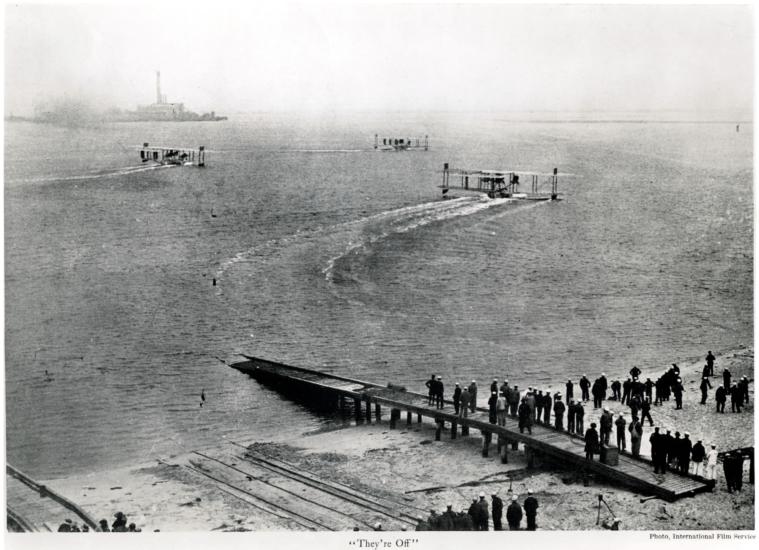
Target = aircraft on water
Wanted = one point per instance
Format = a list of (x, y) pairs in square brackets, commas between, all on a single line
[(502, 183), (181, 156)]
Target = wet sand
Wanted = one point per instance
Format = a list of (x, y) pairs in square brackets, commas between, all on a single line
[(408, 467)]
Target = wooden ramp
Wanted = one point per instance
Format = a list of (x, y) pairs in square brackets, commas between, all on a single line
[(559, 446), (36, 508)]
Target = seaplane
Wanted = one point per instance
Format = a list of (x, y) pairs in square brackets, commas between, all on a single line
[(502, 183), (180, 156), (401, 144)]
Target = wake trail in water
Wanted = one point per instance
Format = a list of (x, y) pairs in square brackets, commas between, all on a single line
[(127, 170)]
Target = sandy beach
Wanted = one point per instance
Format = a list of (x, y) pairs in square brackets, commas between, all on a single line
[(406, 467)]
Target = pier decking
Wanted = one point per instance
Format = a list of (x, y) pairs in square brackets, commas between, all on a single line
[(32, 507), (545, 441)]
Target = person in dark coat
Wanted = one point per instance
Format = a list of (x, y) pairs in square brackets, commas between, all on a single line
[(597, 392), (656, 450), (119, 525), (579, 418), (531, 510), (743, 385), (616, 387), (558, 411), (626, 387), (677, 390), (440, 392), (645, 412), (497, 505), (525, 417), (474, 513), (539, 404), (648, 389), (570, 390), (464, 405), (621, 423), (431, 386), (710, 363), (636, 435), (705, 371), (736, 398), (672, 446), (720, 396), (457, 398), (683, 460), (492, 408), (513, 399), (484, 513), (494, 386), (726, 378), (698, 453), (584, 388), (514, 514), (547, 406), (473, 396), (591, 442), (635, 405), (705, 385)]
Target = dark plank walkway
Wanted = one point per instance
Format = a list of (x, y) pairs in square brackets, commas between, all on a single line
[(635, 473)]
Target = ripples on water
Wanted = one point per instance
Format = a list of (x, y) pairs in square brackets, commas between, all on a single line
[(332, 255)]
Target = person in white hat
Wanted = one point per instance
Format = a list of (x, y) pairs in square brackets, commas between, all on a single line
[(606, 422), (484, 514)]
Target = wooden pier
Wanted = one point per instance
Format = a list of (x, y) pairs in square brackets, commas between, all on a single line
[(368, 400), (32, 507)]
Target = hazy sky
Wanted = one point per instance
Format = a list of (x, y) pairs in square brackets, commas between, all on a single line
[(383, 56)]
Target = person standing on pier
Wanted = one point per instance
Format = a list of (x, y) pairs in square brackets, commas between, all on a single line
[(473, 396), (635, 372), (558, 411), (484, 514), (531, 510), (457, 398), (711, 462), (657, 454), (513, 399), (440, 391), (591, 442), (743, 385), (505, 388), (620, 423), (539, 404), (547, 405), (636, 435), (597, 391), (514, 514), (497, 504), (584, 387), (710, 363), (571, 416), (683, 460), (474, 513), (720, 396), (500, 409), (464, 406), (570, 390), (579, 418), (493, 408), (698, 453), (604, 385), (525, 417), (705, 385), (431, 384), (606, 422), (494, 386), (648, 389)]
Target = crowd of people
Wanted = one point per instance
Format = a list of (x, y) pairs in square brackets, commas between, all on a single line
[(119, 525), (480, 512), (539, 406)]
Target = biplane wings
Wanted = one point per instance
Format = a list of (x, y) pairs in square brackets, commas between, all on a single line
[(501, 183)]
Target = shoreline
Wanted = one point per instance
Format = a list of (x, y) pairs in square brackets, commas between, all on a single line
[(407, 466)]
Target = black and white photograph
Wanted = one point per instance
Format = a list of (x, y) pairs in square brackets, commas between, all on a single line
[(286, 269)]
